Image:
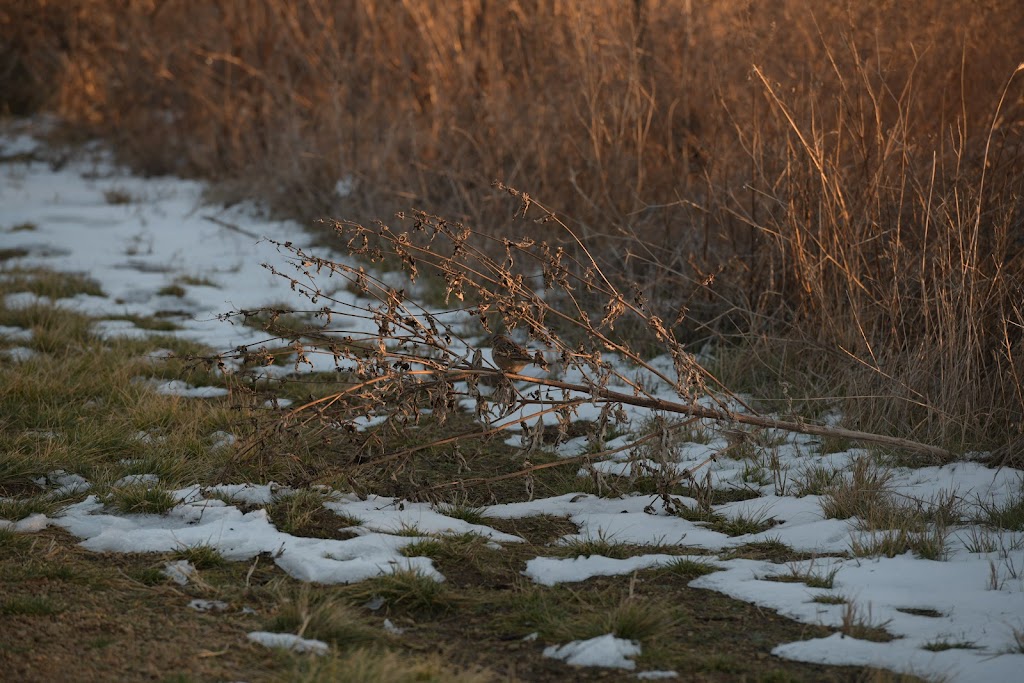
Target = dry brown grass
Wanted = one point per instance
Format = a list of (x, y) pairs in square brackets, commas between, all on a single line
[(846, 172)]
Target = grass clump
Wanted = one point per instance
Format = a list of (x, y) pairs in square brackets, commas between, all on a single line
[(860, 494), (116, 196), (425, 547), (588, 545), (147, 322), (467, 513), (641, 619), (943, 645), (409, 530), (772, 549), (921, 612), (141, 499), (202, 556), (17, 468), (460, 556), (929, 543), (755, 473), (11, 541), (858, 623), (1008, 516), (174, 290), (12, 253), (807, 575), (815, 480), (321, 615), (406, 590), (295, 512), (48, 283), (346, 520), (148, 576), (78, 407), (32, 606), (371, 665), (830, 600), (561, 614), (195, 281), (886, 524), (14, 509), (687, 568), (742, 524)]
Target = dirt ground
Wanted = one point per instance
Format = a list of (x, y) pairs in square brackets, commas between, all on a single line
[(71, 614)]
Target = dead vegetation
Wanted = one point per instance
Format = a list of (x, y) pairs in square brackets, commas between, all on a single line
[(90, 608), (410, 365), (830, 191)]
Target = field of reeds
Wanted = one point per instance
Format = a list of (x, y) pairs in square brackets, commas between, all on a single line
[(832, 191)]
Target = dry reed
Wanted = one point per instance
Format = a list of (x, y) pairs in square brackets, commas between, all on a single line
[(847, 176)]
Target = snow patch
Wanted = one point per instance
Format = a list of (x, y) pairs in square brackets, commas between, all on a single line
[(607, 651)]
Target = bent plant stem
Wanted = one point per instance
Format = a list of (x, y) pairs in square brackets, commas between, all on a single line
[(477, 434), (697, 411), (319, 404), (486, 277), (754, 420), (385, 360), (586, 457), (613, 292)]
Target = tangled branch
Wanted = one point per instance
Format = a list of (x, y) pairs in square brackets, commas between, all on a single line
[(404, 359)]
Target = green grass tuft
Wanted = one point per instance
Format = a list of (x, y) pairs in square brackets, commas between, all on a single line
[(942, 645), (829, 600), (202, 556), (322, 615), (587, 546), (742, 524), (32, 606), (467, 513), (408, 590), (686, 568), (172, 290), (47, 283), (14, 509), (141, 499)]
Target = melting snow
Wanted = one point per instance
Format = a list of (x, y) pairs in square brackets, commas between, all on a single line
[(607, 651), (289, 641), (135, 251)]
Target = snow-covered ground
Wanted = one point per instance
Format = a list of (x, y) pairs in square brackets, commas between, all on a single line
[(162, 237)]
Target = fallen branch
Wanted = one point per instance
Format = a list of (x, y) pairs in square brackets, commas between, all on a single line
[(415, 358)]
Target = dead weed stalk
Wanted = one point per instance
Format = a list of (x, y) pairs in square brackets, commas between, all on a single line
[(406, 360)]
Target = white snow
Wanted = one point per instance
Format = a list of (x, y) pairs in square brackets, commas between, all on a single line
[(136, 479), (17, 354), (656, 675), (388, 515), (28, 525), (607, 651), (164, 237), (241, 536), (19, 334), (289, 641), (176, 387), (549, 571), (251, 494), (179, 571)]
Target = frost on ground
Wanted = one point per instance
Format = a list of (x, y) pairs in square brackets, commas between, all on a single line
[(959, 616)]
